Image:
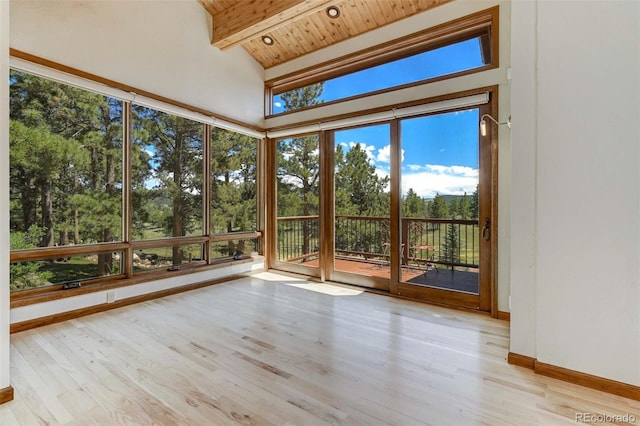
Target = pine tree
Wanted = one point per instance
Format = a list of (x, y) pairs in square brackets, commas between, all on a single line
[(299, 166), (233, 185), (357, 178), (178, 157), (73, 148), (439, 208), (413, 205), (450, 247), (464, 207), (474, 204)]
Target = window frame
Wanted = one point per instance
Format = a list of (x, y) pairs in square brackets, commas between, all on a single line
[(483, 24), (128, 246)]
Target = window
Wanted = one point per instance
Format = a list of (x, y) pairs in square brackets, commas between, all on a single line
[(233, 182), (167, 175), (66, 164), (298, 198), (234, 186), (66, 269), (459, 47), (462, 56), (193, 188)]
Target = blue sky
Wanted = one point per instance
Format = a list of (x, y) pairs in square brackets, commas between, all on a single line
[(440, 152), (445, 60)]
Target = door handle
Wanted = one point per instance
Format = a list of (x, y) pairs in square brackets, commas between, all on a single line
[(486, 230)]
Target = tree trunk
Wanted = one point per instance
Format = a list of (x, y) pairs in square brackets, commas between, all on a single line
[(177, 220), (305, 224), (47, 215), (76, 227), (29, 202)]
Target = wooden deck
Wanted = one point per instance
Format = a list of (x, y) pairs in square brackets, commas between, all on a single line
[(277, 350), (466, 281)]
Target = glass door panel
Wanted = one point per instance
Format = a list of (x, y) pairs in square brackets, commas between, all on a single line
[(362, 205), (297, 219), (440, 181)]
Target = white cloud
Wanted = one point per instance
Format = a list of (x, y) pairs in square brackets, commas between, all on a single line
[(384, 155), (435, 179), (291, 180), (368, 149)]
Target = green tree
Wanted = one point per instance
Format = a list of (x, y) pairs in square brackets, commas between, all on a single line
[(66, 147), (299, 166), (474, 206), (25, 275), (439, 208), (464, 207), (413, 205), (233, 184), (360, 192), (450, 248), (356, 177), (454, 207), (177, 166)]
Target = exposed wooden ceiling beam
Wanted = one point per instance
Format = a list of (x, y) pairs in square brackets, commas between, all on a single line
[(248, 19), (209, 5)]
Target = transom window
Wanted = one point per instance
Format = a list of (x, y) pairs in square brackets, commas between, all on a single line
[(456, 48)]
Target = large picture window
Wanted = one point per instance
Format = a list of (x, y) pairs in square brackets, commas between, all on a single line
[(102, 189), (234, 190), (65, 177), (66, 164), (167, 170)]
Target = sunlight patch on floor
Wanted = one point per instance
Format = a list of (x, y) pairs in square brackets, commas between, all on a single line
[(270, 276), (331, 290)]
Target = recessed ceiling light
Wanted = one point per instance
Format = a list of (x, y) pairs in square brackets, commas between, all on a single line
[(267, 40), (333, 12)]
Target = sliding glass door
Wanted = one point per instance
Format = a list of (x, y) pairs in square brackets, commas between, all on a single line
[(442, 215), (297, 241), (362, 227), (404, 205)]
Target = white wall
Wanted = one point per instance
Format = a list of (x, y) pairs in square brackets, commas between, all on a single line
[(29, 312), (162, 47), (4, 195), (575, 198), (439, 15)]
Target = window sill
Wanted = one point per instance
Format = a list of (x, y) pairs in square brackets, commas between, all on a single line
[(41, 296)]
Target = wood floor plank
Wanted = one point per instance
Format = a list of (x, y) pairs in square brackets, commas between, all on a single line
[(277, 350)]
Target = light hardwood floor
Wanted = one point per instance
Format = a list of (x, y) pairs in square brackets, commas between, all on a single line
[(272, 349)]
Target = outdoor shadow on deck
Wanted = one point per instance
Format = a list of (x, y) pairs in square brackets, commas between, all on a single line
[(449, 280)]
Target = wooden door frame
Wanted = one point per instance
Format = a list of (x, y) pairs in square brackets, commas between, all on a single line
[(488, 298)]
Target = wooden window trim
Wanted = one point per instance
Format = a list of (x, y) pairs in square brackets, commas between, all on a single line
[(486, 303), (121, 86), (127, 246), (51, 293), (382, 108), (484, 24), (42, 253)]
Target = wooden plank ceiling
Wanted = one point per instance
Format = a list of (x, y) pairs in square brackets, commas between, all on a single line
[(298, 27)]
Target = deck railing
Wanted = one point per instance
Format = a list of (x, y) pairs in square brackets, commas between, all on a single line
[(298, 238), (446, 242)]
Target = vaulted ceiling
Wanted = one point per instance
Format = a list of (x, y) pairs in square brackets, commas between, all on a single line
[(298, 27)]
